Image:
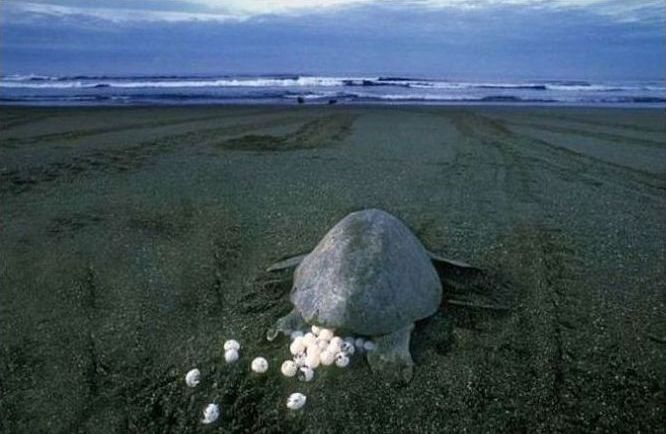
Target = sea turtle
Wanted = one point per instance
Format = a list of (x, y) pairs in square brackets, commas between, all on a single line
[(369, 276)]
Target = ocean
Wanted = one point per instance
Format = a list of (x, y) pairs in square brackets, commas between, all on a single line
[(292, 89)]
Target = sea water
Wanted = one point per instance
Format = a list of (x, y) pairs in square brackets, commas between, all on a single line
[(290, 89)]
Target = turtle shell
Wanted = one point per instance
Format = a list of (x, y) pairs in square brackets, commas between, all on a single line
[(369, 275)]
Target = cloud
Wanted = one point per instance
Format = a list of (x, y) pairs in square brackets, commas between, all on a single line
[(527, 38), (620, 9), (277, 7), (31, 10), (237, 10)]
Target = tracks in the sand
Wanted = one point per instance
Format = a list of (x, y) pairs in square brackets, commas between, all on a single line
[(14, 142), (578, 131), (486, 156), (319, 132), (567, 164), (584, 122), (133, 157)]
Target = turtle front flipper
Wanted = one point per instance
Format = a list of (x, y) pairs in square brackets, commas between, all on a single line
[(453, 262), (391, 357), (287, 263), (287, 324)]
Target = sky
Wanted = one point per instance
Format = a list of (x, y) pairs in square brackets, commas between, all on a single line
[(553, 39)]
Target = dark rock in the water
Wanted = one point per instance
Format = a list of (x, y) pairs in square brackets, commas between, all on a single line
[(300, 100)]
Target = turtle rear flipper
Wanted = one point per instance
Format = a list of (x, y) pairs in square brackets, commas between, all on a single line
[(391, 358), (287, 263), (440, 259)]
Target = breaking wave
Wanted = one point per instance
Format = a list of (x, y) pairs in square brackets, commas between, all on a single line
[(177, 89)]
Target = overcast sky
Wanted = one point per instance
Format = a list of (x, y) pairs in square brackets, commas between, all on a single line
[(578, 39)]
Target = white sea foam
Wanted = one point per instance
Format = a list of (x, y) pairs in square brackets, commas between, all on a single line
[(588, 88), (172, 83), (43, 85), (25, 77), (29, 88)]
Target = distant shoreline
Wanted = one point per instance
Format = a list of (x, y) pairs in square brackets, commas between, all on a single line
[(294, 89), (406, 104)]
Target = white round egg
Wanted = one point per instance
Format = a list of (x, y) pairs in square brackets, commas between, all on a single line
[(289, 368), (316, 330), (210, 414), (231, 355), (341, 360), (347, 348), (358, 343), (369, 346), (313, 348), (259, 365), (326, 334), (326, 358), (296, 401), (298, 346), (335, 343), (231, 344), (193, 377), (309, 339), (312, 359)]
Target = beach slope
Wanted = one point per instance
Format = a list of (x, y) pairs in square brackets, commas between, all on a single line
[(133, 243)]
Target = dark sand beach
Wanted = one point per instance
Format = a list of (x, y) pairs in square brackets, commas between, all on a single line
[(133, 243)]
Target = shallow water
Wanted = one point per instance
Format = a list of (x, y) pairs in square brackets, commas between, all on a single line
[(287, 89)]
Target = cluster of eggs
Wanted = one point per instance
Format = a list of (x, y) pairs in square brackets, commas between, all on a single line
[(319, 347)]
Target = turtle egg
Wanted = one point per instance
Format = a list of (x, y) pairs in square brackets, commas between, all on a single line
[(316, 330), (231, 355), (296, 334), (327, 358), (231, 344), (322, 344), (193, 378), (260, 365), (341, 360), (313, 348), (347, 348), (312, 359), (289, 368), (308, 339), (369, 346), (296, 401), (305, 373), (326, 334), (336, 342), (299, 359), (298, 346), (358, 343), (210, 413)]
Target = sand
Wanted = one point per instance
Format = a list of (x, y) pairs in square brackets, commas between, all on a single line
[(133, 243)]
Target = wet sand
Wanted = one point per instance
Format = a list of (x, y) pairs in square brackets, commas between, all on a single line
[(133, 243)]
